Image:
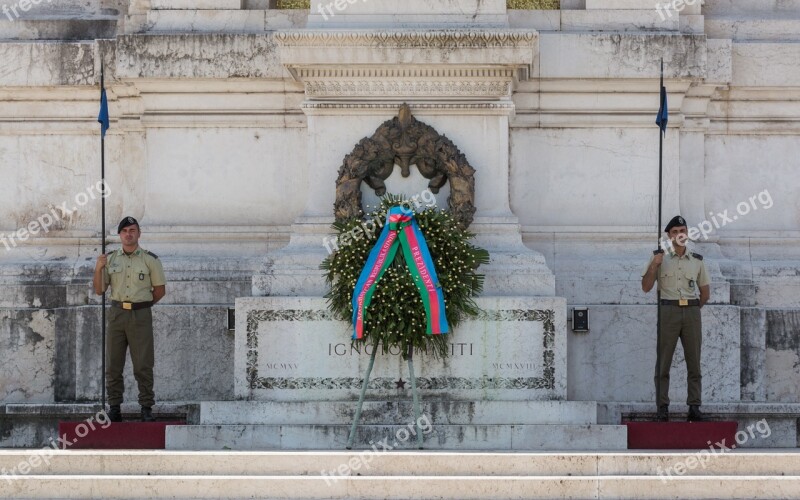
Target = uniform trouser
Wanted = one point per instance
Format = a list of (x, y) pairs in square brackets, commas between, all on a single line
[(134, 329), (684, 323)]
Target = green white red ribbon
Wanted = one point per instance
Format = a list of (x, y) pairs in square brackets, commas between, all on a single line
[(403, 231)]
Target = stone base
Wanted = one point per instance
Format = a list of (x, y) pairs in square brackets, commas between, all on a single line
[(36, 425), (445, 425), (439, 437), (773, 425), (437, 412), (768, 425), (292, 349)]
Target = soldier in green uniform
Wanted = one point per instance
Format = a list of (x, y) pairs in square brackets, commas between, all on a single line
[(680, 275), (137, 282)]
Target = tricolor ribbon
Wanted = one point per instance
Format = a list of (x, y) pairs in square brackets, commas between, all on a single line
[(401, 230)]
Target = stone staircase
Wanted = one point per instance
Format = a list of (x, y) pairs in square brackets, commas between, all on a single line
[(399, 475), (446, 425)]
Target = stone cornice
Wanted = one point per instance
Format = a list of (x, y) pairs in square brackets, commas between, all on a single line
[(408, 64), (409, 38)]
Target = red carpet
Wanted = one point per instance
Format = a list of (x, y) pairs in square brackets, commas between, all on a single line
[(680, 435), (116, 436)]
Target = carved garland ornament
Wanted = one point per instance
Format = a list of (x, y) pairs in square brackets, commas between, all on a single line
[(405, 141)]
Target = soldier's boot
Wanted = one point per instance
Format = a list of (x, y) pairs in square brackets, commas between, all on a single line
[(663, 414), (147, 414), (115, 414), (695, 415)]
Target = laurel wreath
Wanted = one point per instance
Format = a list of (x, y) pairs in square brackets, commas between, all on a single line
[(396, 317)]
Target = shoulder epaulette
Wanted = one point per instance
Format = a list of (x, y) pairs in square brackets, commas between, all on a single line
[(151, 254), (697, 256)]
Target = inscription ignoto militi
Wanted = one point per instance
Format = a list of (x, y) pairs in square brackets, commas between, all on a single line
[(342, 349)]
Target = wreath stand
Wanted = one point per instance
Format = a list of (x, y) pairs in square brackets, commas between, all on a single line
[(414, 395)]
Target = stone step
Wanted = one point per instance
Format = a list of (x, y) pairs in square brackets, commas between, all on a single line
[(407, 475), (394, 412), (436, 437), (399, 463), (401, 487)]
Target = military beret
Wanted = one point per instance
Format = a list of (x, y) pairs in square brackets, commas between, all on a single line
[(676, 221), (127, 221)]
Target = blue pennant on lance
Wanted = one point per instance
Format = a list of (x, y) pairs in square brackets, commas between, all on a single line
[(103, 117), (663, 110)]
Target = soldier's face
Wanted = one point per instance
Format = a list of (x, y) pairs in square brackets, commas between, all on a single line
[(679, 235), (130, 235)]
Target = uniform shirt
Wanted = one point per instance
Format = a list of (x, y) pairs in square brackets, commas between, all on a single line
[(132, 277), (680, 277)]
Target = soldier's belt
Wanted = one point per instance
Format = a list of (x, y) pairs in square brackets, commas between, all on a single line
[(132, 306), (682, 302)]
